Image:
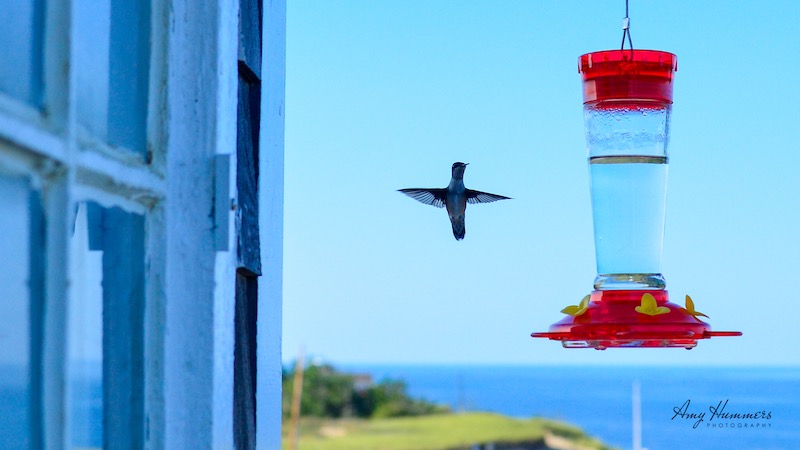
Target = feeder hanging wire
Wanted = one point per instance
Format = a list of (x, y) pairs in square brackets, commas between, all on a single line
[(626, 29)]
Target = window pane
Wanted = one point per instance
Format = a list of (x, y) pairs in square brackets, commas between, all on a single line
[(113, 63), (129, 74), (21, 31), (15, 315), (107, 328), (85, 335), (92, 25)]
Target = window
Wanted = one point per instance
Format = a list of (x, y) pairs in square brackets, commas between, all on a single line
[(128, 302), (73, 211)]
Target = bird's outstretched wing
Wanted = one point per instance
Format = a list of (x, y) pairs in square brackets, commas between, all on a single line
[(483, 197), (433, 197)]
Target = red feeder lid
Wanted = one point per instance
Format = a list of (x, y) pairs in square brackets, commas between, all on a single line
[(627, 75)]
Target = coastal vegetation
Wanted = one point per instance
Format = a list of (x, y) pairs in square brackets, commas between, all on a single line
[(330, 393)]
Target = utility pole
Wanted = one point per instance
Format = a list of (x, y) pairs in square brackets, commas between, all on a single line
[(297, 394), (637, 416)]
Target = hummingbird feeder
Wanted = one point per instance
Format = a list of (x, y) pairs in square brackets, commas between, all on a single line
[(627, 101)]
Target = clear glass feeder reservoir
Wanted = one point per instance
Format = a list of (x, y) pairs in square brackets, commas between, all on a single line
[(627, 105)]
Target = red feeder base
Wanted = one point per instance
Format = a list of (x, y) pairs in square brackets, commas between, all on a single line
[(624, 319)]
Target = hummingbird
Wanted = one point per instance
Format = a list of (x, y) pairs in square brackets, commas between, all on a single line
[(454, 197)]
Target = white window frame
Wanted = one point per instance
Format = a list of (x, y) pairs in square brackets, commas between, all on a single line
[(190, 286)]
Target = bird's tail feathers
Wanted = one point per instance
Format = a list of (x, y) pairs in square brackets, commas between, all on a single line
[(459, 230)]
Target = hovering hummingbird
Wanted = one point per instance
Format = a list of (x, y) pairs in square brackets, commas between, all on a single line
[(455, 197)]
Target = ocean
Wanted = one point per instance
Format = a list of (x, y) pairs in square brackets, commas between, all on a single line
[(681, 407), (698, 408)]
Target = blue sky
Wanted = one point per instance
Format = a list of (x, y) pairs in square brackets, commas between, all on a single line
[(383, 95)]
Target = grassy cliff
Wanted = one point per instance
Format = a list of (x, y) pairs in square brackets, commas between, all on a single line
[(439, 432), (344, 411)]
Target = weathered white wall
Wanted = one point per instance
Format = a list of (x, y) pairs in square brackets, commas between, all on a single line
[(270, 285), (226, 261), (193, 101), (199, 282)]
